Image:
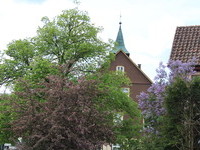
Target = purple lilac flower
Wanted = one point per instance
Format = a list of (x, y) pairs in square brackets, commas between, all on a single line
[(152, 102)]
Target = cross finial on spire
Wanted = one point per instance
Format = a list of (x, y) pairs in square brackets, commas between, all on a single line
[(120, 19)]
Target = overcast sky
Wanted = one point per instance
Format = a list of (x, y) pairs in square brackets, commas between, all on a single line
[(148, 26)]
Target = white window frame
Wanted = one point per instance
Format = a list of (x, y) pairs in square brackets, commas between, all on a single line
[(120, 116), (127, 91), (116, 147), (120, 68)]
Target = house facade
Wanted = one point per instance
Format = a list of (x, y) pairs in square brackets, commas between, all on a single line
[(139, 80)]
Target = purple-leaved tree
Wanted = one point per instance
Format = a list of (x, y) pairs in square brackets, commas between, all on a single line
[(62, 115)]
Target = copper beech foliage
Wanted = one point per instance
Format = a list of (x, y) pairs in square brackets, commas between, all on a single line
[(62, 115)]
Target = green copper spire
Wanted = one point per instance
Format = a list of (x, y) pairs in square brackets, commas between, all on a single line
[(120, 42)]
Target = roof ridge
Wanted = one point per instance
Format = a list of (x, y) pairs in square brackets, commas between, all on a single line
[(189, 26)]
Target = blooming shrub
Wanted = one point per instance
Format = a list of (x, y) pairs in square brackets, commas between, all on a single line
[(152, 102)]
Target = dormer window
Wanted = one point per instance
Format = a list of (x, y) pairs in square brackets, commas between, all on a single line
[(120, 68)]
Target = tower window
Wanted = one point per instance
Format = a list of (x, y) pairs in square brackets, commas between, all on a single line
[(120, 68)]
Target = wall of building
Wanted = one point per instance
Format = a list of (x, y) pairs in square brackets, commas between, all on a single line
[(139, 81)]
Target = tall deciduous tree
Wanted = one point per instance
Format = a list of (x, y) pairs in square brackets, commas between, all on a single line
[(67, 119), (63, 114), (65, 98), (182, 117), (70, 36), (70, 39), (18, 58), (6, 117)]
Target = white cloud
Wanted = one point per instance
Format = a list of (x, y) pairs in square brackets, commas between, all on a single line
[(21, 20)]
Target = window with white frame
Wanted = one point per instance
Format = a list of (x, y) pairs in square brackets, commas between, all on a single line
[(126, 91), (118, 118), (120, 68), (116, 147)]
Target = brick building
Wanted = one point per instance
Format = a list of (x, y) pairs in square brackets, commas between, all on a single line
[(139, 80)]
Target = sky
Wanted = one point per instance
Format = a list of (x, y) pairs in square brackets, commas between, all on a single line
[(148, 26)]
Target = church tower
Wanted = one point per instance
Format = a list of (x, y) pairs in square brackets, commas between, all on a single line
[(120, 42), (139, 80)]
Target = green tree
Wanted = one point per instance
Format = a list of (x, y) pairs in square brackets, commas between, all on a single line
[(70, 39), (127, 116), (177, 97), (16, 61), (6, 116), (68, 48), (182, 105)]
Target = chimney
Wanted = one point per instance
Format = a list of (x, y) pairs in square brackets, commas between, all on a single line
[(139, 66)]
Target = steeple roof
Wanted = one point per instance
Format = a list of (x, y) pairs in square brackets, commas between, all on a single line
[(120, 42)]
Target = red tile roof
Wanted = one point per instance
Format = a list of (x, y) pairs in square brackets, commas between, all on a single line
[(186, 44)]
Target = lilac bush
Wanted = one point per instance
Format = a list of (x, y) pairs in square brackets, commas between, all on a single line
[(182, 70), (152, 102)]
